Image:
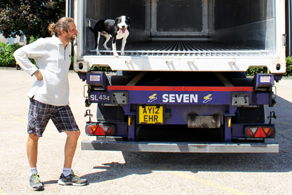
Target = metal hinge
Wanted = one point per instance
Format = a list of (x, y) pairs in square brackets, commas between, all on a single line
[(284, 39), (88, 113)]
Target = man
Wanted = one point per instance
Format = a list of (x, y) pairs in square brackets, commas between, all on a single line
[(49, 96)]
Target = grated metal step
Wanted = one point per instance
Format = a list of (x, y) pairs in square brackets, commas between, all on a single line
[(186, 49)]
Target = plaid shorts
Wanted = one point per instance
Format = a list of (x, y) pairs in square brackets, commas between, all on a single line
[(39, 115)]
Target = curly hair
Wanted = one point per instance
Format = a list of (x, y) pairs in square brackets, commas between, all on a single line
[(62, 24)]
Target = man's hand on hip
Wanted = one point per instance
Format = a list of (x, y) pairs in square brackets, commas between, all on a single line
[(39, 75)]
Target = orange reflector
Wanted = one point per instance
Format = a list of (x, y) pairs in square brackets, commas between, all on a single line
[(94, 127), (90, 129), (266, 130), (229, 122), (129, 120)]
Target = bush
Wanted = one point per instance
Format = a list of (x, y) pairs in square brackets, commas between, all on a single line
[(288, 66), (6, 54), (253, 70), (97, 68), (7, 50)]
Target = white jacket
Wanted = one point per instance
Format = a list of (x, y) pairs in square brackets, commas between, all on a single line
[(53, 61)]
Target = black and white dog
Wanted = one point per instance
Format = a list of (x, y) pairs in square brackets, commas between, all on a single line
[(117, 29)]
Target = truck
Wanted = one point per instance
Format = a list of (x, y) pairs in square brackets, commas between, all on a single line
[(182, 84)]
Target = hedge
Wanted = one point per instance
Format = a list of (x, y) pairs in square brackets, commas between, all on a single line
[(6, 54), (7, 59), (288, 66)]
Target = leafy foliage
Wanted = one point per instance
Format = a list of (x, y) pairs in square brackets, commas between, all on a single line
[(6, 54), (29, 17), (7, 50), (98, 68), (253, 70), (288, 66)]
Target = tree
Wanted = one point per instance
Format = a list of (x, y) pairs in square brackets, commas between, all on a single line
[(29, 17)]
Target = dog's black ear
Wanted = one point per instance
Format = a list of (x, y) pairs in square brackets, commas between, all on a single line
[(128, 21), (117, 20)]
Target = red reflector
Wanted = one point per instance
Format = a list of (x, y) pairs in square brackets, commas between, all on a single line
[(271, 132), (99, 131), (249, 133), (90, 129), (260, 133), (110, 131)]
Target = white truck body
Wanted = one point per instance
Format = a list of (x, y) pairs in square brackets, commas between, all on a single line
[(217, 42)]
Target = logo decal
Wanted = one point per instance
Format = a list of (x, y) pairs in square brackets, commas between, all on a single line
[(152, 98), (207, 98), (180, 98)]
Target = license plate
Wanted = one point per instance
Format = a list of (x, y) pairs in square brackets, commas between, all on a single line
[(151, 114)]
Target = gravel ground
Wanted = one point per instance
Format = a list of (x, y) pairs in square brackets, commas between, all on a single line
[(135, 173)]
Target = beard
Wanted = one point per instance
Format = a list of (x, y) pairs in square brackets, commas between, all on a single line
[(70, 38)]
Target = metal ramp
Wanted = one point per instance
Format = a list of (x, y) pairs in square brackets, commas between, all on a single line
[(184, 48)]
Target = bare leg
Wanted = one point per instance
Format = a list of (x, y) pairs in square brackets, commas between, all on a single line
[(32, 149), (70, 147)]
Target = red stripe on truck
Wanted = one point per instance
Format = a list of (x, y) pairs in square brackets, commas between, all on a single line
[(166, 88)]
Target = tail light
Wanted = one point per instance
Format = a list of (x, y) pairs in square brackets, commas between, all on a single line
[(100, 129), (260, 131)]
